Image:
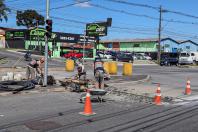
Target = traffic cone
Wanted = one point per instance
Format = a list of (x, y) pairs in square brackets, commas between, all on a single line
[(87, 107), (158, 89), (188, 90), (157, 99)]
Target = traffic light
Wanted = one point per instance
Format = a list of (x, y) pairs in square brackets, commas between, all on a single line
[(48, 28)]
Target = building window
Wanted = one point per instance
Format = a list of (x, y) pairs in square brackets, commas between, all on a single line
[(167, 46), (187, 47)]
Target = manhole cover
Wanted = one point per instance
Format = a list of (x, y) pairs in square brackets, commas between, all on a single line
[(42, 125)]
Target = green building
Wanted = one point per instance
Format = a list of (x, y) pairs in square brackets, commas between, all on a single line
[(133, 45)]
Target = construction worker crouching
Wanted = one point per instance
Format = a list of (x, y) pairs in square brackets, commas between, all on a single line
[(80, 69), (33, 68)]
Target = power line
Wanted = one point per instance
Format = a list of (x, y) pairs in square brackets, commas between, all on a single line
[(152, 7), (182, 14), (124, 12), (142, 15), (68, 20), (179, 34), (134, 4), (68, 5)]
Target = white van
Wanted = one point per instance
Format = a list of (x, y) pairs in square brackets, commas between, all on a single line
[(188, 58)]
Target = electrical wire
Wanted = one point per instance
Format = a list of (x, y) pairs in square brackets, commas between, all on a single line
[(142, 15), (152, 7), (123, 12), (134, 4)]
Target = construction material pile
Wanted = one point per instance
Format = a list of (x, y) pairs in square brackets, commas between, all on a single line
[(16, 86)]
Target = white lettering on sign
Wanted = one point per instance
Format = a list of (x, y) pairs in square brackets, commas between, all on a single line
[(66, 38), (101, 29)]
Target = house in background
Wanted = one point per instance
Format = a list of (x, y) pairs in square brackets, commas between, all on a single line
[(188, 46), (169, 45)]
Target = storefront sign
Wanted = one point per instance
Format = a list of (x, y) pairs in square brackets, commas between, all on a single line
[(96, 29), (39, 34), (87, 39), (15, 35), (67, 37)]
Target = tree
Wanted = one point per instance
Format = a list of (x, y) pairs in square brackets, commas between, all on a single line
[(29, 18), (3, 11)]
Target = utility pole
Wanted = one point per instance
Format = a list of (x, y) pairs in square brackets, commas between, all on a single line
[(46, 46), (159, 36), (84, 48)]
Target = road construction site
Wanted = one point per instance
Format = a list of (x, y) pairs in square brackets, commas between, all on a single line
[(56, 107)]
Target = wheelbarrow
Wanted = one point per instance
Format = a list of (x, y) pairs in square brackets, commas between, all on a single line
[(96, 95)]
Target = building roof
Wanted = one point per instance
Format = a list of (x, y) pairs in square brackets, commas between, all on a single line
[(149, 40), (3, 29), (131, 40)]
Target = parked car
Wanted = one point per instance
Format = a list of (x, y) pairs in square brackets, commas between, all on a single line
[(104, 56), (142, 56), (124, 58), (73, 54), (147, 57), (169, 59), (188, 58), (139, 56)]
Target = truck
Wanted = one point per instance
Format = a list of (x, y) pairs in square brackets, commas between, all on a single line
[(188, 58)]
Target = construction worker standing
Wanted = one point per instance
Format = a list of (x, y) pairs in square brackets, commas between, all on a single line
[(35, 66)]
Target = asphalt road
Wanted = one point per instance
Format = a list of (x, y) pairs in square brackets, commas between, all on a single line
[(50, 111), (60, 112), (169, 77)]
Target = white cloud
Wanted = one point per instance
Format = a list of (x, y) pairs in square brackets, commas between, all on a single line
[(84, 4)]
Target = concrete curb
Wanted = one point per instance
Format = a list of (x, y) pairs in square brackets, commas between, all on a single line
[(148, 77)]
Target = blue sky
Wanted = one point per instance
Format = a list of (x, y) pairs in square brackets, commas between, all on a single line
[(123, 25)]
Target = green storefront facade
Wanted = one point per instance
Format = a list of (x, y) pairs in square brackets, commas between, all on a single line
[(59, 44), (141, 45), (138, 47)]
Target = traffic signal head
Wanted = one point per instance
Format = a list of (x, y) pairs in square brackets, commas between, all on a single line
[(48, 27)]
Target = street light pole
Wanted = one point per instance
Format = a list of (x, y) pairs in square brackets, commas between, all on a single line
[(46, 46)]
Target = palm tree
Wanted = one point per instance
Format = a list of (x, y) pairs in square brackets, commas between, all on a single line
[(3, 11)]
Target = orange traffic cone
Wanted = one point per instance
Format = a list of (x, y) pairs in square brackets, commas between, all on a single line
[(188, 90), (157, 99), (158, 89), (87, 107)]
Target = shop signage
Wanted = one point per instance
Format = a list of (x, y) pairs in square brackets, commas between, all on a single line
[(39, 34), (67, 37), (15, 35), (86, 39), (96, 29)]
